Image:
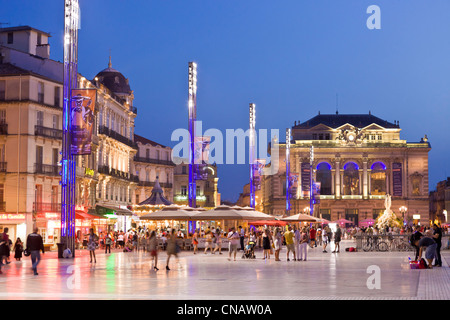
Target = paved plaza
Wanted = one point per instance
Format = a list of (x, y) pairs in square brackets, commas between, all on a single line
[(119, 275)]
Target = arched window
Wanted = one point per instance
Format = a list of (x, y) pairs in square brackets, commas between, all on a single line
[(351, 179), (378, 179), (323, 176)]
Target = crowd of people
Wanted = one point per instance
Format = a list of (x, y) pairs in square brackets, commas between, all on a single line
[(271, 240)]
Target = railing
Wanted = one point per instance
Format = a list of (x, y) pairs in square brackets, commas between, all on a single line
[(113, 134), (48, 132), (388, 242), (133, 109), (39, 207), (46, 169), (3, 166), (155, 161), (117, 173), (152, 184)]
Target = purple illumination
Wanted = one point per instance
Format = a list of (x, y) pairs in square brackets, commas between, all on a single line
[(323, 165), (378, 166), (351, 165)]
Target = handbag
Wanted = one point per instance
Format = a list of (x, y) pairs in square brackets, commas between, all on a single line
[(26, 253)]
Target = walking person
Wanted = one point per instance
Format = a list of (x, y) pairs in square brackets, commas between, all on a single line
[(218, 241), (35, 244), (303, 245), (241, 237), (4, 244), (289, 238), (195, 241), (266, 244), (277, 241), (18, 249), (108, 242), (152, 247), (337, 239), (171, 248), (92, 244), (312, 237), (325, 240), (209, 241), (297, 240), (234, 238)]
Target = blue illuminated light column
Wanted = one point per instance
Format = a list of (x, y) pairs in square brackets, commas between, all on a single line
[(192, 189), (288, 171), (252, 153), (311, 191), (71, 26)]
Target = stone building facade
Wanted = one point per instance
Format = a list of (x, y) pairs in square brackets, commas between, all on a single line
[(357, 160)]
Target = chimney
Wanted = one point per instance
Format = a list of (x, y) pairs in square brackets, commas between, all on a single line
[(43, 50)]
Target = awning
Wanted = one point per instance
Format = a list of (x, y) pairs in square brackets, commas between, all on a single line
[(81, 215), (103, 210)]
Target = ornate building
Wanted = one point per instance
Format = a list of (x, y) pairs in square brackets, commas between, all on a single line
[(357, 160), (151, 163)]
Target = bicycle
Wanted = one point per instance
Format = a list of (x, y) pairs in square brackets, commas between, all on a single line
[(373, 244)]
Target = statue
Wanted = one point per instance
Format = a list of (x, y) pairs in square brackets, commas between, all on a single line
[(388, 218)]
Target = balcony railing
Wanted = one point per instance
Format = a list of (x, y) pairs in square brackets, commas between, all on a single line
[(48, 132), (3, 166), (155, 161), (152, 184), (47, 169), (117, 173), (116, 136), (39, 207)]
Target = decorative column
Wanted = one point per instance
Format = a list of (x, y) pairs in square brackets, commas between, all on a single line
[(338, 179), (365, 182)]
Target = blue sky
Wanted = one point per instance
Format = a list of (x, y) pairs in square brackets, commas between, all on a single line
[(290, 57)]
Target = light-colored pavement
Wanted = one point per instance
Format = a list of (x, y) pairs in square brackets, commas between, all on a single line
[(344, 275)]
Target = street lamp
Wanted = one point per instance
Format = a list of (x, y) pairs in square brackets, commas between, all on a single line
[(445, 215), (307, 210), (403, 209)]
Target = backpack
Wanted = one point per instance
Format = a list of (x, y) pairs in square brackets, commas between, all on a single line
[(423, 264)]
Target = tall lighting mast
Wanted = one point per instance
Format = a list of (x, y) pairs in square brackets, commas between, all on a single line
[(71, 26), (288, 171), (192, 189), (252, 152)]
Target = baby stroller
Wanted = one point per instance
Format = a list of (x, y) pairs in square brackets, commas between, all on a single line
[(128, 247), (249, 252)]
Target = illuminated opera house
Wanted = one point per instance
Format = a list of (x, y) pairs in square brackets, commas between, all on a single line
[(357, 160)]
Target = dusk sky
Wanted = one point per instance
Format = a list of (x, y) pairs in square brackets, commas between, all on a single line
[(289, 57)]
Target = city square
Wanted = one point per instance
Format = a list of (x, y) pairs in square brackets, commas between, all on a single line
[(324, 276), (261, 128)]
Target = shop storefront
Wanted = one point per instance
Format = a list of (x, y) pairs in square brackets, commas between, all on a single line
[(119, 218), (16, 225)]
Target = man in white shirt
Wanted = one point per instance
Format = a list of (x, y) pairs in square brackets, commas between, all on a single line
[(233, 236)]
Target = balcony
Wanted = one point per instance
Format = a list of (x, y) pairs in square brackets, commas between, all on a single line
[(3, 128), (48, 132), (133, 109), (39, 207), (116, 136), (47, 169), (154, 161), (152, 184), (3, 166), (117, 173)]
